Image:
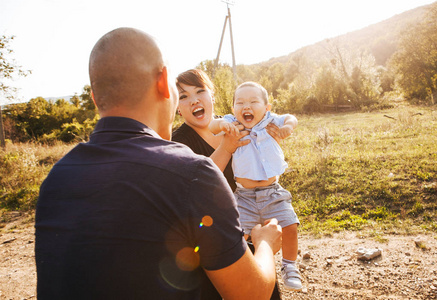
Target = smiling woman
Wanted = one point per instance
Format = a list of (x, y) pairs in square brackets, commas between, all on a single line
[(196, 106)]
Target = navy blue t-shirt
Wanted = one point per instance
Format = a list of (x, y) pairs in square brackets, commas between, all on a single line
[(129, 215)]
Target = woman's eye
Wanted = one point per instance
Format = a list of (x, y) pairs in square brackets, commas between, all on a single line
[(182, 97), (200, 91)]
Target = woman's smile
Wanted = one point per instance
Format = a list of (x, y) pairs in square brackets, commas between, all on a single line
[(199, 112)]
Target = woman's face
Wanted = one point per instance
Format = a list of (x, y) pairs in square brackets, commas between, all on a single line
[(195, 105)]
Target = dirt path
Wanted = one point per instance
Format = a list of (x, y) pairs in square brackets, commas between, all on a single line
[(405, 270)]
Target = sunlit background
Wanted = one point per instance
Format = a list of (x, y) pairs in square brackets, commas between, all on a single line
[(53, 38)]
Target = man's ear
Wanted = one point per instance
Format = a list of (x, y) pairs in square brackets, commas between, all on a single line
[(163, 87), (92, 97), (269, 106)]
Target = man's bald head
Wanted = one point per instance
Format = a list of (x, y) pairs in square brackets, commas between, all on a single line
[(122, 67)]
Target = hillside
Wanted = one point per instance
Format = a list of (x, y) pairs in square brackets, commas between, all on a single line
[(379, 39)]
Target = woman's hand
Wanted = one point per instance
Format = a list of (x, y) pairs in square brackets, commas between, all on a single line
[(231, 142), (230, 128)]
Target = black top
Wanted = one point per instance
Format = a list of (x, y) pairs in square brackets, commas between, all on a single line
[(123, 217), (188, 136)]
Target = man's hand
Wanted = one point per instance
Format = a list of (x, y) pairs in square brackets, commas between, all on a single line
[(271, 233)]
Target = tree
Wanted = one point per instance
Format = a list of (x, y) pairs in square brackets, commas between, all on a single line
[(8, 69), (224, 85), (415, 63)]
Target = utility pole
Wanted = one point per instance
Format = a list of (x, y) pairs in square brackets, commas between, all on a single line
[(234, 68), (2, 132)]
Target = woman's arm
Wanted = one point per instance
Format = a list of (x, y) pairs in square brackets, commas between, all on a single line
[(228, 145)]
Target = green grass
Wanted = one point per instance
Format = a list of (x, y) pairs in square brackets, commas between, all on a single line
[(355, 171), (350, 171)]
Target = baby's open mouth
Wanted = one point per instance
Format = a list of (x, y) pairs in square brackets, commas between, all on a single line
[(198, 112), (248, 117)]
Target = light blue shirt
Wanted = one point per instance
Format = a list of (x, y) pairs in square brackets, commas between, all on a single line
[(262, 158)]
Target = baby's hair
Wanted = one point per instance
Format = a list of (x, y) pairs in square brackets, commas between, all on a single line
[(264, 94), (195, 77)]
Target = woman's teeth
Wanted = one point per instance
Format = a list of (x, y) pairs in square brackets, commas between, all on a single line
[(198, 111)]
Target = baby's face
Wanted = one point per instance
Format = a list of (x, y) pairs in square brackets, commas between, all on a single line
[(249, 106)]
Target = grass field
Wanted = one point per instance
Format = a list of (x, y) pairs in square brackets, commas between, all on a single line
[(348, 171), (356, 170)]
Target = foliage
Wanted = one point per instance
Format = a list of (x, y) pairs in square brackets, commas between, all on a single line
[(8, 67), (47, 121), (23, 168), (224, 85), (416, 61)]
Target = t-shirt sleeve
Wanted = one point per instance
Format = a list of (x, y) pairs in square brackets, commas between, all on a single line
[(215, 225)]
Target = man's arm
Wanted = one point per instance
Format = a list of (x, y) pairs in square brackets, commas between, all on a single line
[(252, 276)]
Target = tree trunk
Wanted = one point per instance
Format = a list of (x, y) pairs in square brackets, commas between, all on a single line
[(2, 133)]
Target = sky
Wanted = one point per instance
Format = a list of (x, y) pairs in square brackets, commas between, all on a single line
[(53, 38)]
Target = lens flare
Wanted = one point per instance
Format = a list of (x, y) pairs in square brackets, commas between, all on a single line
[(187, 259), (207, 221)]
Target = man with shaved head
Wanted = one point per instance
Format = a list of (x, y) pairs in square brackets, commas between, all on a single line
[(132, 215)]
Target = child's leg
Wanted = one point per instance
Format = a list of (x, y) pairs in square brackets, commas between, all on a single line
[(290, 242), (290, 271)]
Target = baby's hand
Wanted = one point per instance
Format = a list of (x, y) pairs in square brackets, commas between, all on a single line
[(285, 131), (229, 128)]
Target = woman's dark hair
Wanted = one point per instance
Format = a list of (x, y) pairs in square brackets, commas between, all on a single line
[(195, 77)]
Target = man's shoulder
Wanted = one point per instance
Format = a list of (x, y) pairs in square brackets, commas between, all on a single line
[(180, 156), (148, 150)]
